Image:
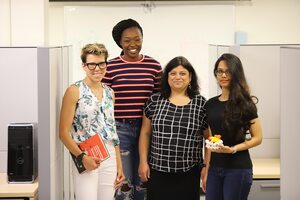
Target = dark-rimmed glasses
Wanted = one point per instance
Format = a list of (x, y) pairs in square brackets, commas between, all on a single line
[(220, 72), (92, 66)]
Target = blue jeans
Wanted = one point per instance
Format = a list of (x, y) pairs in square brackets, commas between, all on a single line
[(128, 131), (228, 184)]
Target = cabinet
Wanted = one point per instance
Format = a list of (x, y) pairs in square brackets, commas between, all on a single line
[(263, 189), (266, 180)]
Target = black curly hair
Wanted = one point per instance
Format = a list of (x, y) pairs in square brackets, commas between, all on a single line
[(121, 26)]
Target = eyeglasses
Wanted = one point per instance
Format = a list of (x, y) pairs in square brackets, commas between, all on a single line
[(220, 72), (92, 66)]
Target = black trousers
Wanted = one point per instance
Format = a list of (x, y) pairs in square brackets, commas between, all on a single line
[(174, 186)]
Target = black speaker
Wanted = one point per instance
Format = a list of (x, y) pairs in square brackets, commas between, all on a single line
[(22, 152)]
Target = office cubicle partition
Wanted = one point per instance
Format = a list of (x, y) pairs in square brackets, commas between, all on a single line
[(290, 120), (272, 73), (261, 65), (32, 82)]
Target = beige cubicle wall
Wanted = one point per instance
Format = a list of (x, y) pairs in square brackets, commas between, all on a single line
[(32, 82), (18, 86), (53, 78), (261, 65), (272, 73), (290, 120)]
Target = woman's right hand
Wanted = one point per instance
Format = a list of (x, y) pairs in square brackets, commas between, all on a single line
[(91, 163), (144, 172)]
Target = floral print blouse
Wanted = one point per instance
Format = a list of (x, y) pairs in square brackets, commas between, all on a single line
[(93, 116)]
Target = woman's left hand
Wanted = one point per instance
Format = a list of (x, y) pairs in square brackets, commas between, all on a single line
[(222, 149), (119, 179)]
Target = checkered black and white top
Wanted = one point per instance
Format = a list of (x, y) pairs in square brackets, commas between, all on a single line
[(177, 133)]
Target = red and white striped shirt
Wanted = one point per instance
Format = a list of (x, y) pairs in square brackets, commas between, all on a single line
[(133, 83)]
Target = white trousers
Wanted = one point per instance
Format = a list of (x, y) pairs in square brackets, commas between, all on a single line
[(99, 183)]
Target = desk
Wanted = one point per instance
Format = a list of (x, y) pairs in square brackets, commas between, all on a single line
[(266, 168), (25, 190), (266, 179)]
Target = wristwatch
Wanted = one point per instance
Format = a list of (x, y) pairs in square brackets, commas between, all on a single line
[(80, 157)]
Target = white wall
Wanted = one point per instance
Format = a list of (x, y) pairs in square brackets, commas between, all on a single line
[(23, 23), (5, 23), (269, 21), (168, 37), (263, 21)]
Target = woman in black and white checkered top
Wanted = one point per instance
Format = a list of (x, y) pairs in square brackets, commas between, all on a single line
[(171, 138)]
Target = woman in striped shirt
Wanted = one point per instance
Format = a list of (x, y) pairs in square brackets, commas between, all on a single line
[(133, 77)]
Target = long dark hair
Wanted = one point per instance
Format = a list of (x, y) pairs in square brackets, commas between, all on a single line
[(241, 105), (192, 90)]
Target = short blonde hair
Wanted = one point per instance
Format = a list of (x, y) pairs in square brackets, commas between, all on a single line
[(94, 49)]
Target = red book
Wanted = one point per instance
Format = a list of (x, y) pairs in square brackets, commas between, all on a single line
[(95, 147)]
